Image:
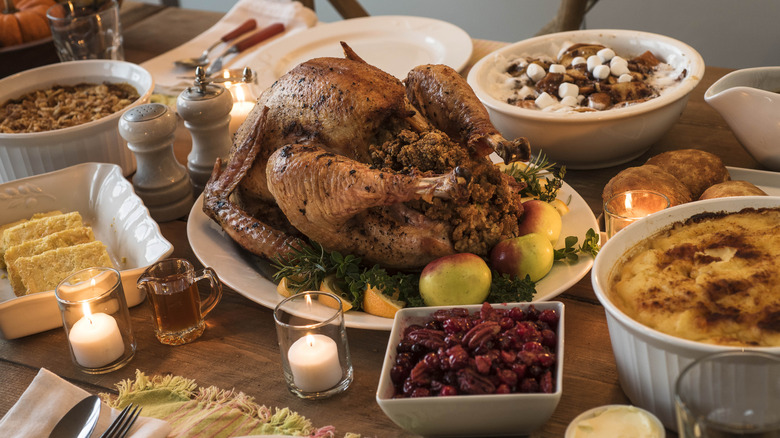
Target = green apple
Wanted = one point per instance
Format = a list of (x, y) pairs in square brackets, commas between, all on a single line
[(542, 218), (531, 254), (455, 280)]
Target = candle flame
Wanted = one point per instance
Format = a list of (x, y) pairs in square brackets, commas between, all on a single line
[(628, 203), (87, 310), (310, 340), (239, 94), (226, 75), (308, 300)]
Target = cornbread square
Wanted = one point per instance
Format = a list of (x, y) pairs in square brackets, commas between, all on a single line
[(60, 239), (37, 228), (19, 222), (44, 271)]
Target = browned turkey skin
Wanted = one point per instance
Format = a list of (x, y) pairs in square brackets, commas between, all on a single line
[(340, 152)]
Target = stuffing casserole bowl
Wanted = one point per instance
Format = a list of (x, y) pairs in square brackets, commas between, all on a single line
[(515, 413), (33, 153), (598, 139), (649, 361)]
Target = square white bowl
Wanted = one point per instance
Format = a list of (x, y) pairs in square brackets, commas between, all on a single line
[(106, 201), (468, 415)]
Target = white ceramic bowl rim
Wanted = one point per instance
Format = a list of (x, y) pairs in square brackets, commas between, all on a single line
[(50, 71), (741, 78), (639, 328), (692, 78)]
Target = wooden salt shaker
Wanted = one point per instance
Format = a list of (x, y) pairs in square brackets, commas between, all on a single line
[(205, 108), (160, 181)]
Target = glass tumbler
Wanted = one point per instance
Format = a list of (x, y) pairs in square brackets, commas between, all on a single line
[(82, 30), (313, 345), (96, 320), (729, 394)]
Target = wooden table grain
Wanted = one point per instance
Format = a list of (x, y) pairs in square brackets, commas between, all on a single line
[(239, 348)]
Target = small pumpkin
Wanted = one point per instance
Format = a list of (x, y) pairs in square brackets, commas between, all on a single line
[(22, 21)]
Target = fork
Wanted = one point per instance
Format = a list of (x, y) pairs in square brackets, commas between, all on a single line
[(123, 422)]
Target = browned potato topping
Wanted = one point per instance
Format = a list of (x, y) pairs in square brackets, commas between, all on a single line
[(63, 106)]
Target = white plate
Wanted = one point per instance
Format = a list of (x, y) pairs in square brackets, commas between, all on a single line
[(395, 44), (766, 180), (106, 201), (241, 271)]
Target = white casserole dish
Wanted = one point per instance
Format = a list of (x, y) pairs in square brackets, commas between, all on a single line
[(27, 154), (106, 201), (648, 361)]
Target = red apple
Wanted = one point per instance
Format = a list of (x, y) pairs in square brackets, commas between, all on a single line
[(455, 280), (531, 254), (542, 218)]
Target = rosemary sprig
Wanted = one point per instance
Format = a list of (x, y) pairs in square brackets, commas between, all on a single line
[(531, 175)]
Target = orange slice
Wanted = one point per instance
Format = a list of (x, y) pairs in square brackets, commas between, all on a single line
[(283, 288), (331, 284), (378, 304)]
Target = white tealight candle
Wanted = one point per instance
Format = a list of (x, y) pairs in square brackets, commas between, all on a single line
[(238, 114), (96, 340), (314, 363)]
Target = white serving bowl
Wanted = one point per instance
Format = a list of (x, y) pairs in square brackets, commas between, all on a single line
[(27, 154), (591, 140), (649, 361), (749, 101), (467, 415), (106, 201)]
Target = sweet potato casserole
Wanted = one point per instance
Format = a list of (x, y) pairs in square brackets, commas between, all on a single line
[(714, 278), (63, 106)]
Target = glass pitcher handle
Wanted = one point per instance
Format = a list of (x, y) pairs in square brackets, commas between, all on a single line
[(216, 290)]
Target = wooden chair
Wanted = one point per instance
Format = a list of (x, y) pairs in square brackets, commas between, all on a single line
[(570, 16), (346, 8)]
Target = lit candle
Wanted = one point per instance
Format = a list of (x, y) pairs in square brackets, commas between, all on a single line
[(628, 207), (243, 102), (314, 362), (96, 340)]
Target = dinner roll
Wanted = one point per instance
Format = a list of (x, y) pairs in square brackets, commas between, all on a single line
[(732, 188), (648, 177), (697, 169)]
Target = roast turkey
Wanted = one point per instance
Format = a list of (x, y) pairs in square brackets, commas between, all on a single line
[(341, 153)]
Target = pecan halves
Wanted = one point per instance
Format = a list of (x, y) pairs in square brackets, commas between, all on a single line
[(481, 333), (428, 338), (469, 382)]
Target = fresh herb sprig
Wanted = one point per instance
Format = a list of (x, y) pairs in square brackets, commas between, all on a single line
[(306, 267), (531, 175), (506, 289), (570, 251)]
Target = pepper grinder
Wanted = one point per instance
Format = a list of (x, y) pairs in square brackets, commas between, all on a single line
[(205, 108), (160, 181)]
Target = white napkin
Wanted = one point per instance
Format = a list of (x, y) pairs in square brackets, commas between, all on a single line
[(292, 14), (49, 397)]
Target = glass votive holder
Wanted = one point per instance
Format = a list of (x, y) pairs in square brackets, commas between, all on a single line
[(313, 345), (625, 208), (735, 393), (96, 320)]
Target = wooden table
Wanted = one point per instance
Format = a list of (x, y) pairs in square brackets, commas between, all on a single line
[(239, 349)]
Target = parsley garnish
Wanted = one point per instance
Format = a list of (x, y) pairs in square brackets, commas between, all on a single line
[(569, 252)]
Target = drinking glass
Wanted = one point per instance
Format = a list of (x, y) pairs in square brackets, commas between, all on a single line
[(96, 320), (732, 394), (313, 344), (172, 290), (84, 29)]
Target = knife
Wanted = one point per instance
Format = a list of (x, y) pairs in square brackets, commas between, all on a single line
[(255, 38), (80, 421)]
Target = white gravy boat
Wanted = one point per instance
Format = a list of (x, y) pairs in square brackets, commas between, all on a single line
[(749, 101)]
